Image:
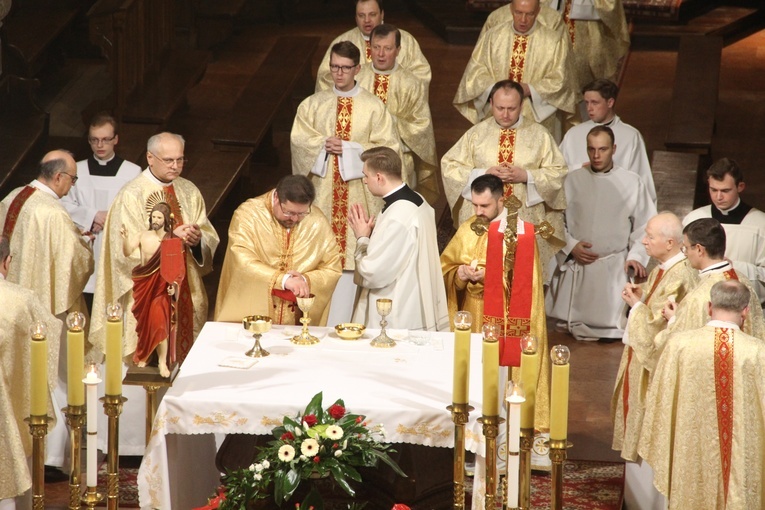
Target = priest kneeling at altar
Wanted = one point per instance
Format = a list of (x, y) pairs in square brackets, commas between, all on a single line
[(704, 428), (280, 248)]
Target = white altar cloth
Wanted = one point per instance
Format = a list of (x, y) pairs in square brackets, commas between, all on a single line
[(406, 389)]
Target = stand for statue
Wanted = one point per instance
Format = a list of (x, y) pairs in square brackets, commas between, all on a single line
[(151, 380)]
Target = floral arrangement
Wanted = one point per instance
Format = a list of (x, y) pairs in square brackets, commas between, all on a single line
[(319, 443)]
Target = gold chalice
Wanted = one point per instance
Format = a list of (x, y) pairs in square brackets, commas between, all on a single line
[(305, 338), (383, 340), (257, 325)]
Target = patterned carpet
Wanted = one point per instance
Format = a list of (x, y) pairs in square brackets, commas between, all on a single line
[(128, 486), (587, 485)]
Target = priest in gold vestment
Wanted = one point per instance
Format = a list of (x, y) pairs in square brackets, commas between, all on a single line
[(547, 16), (526, 52), (671, 279), (19, 309), (279, 248), (407, 101), (160, 182), (520, 152), (704, 429), (369, 14), (704, 245)]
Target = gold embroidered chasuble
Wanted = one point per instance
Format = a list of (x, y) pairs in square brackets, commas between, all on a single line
[(693, 313), (19, 309), (410, 57), (261, 251), (50, 256), (115, 284), (547, 17), (543, 61), (704, 428), (533, 149), (465, 247), (407, 102), (644, 322), (368, 124)]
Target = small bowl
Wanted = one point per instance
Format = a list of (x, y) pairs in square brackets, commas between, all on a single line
[(350, 330)]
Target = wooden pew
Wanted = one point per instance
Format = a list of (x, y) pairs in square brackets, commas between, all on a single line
[(270, 89), (215, 173), (214, 21), (694, 96), (150, 77), (675, 175)]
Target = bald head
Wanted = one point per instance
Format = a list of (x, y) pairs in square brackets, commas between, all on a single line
[(58, 171), (663, 236), (524, 14)]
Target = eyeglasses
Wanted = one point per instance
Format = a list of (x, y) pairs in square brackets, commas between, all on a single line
[(685, 248), (291, 214), (336, 69), (169, 161), (101, 141), (73, 177)]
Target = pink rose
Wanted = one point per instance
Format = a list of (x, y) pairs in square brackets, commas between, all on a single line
[(336, 411), (309, 419)]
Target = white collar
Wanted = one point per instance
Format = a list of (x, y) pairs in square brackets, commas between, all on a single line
[(154, 179), (723, 324), (44, 187), (103, 162), (350, 93), (725, 212), (678, 257), (394, 190), (718, 267)]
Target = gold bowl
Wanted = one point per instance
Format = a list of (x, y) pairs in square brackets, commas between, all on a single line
[(350, 330)]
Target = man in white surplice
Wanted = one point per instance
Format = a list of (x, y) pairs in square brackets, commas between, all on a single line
[(397, 252), (599, 99), (99, 178), (608, 208)]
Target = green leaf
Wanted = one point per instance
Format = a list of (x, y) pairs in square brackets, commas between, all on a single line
[(314, 406), (340, 480), (350, 472), (313, 498), (292, 480), (385, 458)]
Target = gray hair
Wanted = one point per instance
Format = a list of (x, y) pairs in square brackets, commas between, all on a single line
[(670, 226), (156, 141), (730, 295)]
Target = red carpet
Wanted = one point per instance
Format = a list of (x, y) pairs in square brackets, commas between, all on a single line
[(128, 486), (587, 485)]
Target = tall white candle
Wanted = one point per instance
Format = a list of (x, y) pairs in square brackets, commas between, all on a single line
[(514, 398), (91, 382)]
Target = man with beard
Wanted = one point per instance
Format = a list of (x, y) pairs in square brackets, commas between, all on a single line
[(279, 249), (153, 301)]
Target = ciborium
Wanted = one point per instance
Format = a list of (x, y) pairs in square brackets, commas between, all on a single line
[(384, 307), (257, 325), (305, 338)]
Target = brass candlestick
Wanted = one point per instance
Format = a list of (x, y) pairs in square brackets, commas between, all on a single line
[(524, 489), (92, 497), (305, 338), (75, 419), (490, 432), (113, 408), (38, 428), (460, 415), (384, 307), (558, 456), (257, 324)]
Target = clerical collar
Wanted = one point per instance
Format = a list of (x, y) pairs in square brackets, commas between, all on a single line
[(104, 168), (610, 123), (717, 267), (350, 93), (733, 216), (402, 192), (388, 72), (667, 264), (714, 323), (153, 178), (37, 184)]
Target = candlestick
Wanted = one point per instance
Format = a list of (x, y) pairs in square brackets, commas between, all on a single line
[(490, 432), (460, 389), (460, 415), (559, 355), (515, 399), (490, 370), (38, 383), (75, 359), (529, 378), (524, 489), (114, 349)]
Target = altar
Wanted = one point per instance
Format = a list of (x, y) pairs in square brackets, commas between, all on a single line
[(405, 388)]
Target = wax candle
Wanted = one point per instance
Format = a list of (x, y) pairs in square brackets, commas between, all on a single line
[(559, 392), (91, 381), (515, 400), (38, 383), (114, 350), (490, 370), (460, 389), (529, 378), (75, 359)]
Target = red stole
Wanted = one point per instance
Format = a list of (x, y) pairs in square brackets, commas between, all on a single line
[(339, 217), (287, 295), (15, 209), (724, 393), (513, 315), (570, 23), (382, 82), (506, 153), (518, 57), (368, 49)]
